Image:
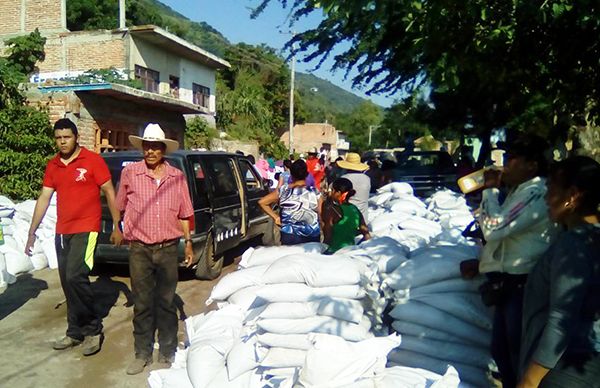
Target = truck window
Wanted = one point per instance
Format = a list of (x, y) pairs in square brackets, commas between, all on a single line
[(251, 178), (200, 183), (221, 177)]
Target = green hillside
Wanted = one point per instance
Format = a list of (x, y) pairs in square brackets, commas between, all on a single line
[(322, 99)]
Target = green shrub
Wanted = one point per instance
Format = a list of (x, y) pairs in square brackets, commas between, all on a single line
[(26, 145)]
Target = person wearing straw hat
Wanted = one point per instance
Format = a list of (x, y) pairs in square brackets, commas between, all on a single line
[(355, 173), (156, 202)]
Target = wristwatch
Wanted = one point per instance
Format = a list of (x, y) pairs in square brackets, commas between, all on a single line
[(188, 240)]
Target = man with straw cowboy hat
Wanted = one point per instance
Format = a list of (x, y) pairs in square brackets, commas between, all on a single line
[(355, 173), (155, 199)]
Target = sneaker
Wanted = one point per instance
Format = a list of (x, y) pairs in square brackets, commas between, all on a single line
[(65, 343), (91, 344), (138, 365), (167, 360)]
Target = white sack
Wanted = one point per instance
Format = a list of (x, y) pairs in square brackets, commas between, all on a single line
[(289, 341), (297, 292), (169, 378), (407, 377), (286, 310), (349, 310), (243, 357), (314, 270), (6, 278), (283, 358), (17, 262), (380, 199), (466, 373), (400, 188), (333, 362), (226, 322), (235, 281), (327, 325), (246, 298), (463, 305), (425, 315), (268, 255), (385, 220), (450, 285), (49, 249), (221, 380), (39, 261), (204, 362), (451, 352), (420, 331)]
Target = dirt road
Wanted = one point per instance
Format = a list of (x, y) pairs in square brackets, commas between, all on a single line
[(32, 317)]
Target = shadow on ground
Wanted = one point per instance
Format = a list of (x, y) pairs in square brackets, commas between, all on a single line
[(16, 295)]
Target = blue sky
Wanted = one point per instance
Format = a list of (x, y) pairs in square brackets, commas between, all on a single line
[(232, 19)]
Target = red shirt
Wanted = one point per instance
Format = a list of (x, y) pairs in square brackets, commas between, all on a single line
[(316, 170), (77, 187), (153, 211)]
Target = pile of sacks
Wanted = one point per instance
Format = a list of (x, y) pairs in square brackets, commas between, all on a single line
[(292, 312), (286, 294), (15, 220), (440, 316), (289, 316), (395, 212)]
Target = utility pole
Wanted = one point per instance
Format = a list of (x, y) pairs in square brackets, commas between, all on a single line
[(371, 128), (292, 76), (122, 14)]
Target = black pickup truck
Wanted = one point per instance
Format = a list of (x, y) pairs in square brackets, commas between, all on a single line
[(425, 171), (225, 189)]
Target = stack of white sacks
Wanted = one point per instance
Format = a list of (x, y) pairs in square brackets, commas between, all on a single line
[(292, 316), (15, 220)]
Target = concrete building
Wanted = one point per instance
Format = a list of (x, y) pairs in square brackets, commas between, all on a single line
[(176, 77), (322, 136)]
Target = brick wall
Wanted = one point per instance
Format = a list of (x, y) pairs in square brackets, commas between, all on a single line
[(103, 117), (84, 51), (10, 16), (42, 14), (307, 136), (17, 16)]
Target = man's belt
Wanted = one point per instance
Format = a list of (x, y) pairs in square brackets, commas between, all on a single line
[(163, 244)]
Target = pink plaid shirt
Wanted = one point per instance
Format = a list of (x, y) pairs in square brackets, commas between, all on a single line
[(153, 211)]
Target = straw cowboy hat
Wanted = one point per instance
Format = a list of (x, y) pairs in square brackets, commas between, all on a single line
[(352, 162), (153, 132), (313, 150)]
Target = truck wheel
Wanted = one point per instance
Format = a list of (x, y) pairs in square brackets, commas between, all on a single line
[(209, 267)]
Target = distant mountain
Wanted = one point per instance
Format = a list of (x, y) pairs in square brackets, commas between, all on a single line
[(320, 92)]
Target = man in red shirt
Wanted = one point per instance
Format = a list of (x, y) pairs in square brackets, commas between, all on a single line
[(77, 175), (157, 205), (315, 168)]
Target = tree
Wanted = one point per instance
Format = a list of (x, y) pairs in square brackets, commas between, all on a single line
[(356, 125), (25, 132), (488, 63)]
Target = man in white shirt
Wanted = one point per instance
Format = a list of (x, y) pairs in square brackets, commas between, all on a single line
[(517, 232)]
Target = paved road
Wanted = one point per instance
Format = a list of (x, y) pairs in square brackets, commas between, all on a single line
[(32, 317)]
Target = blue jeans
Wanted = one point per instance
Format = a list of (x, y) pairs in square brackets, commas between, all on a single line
[(292, 239)]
